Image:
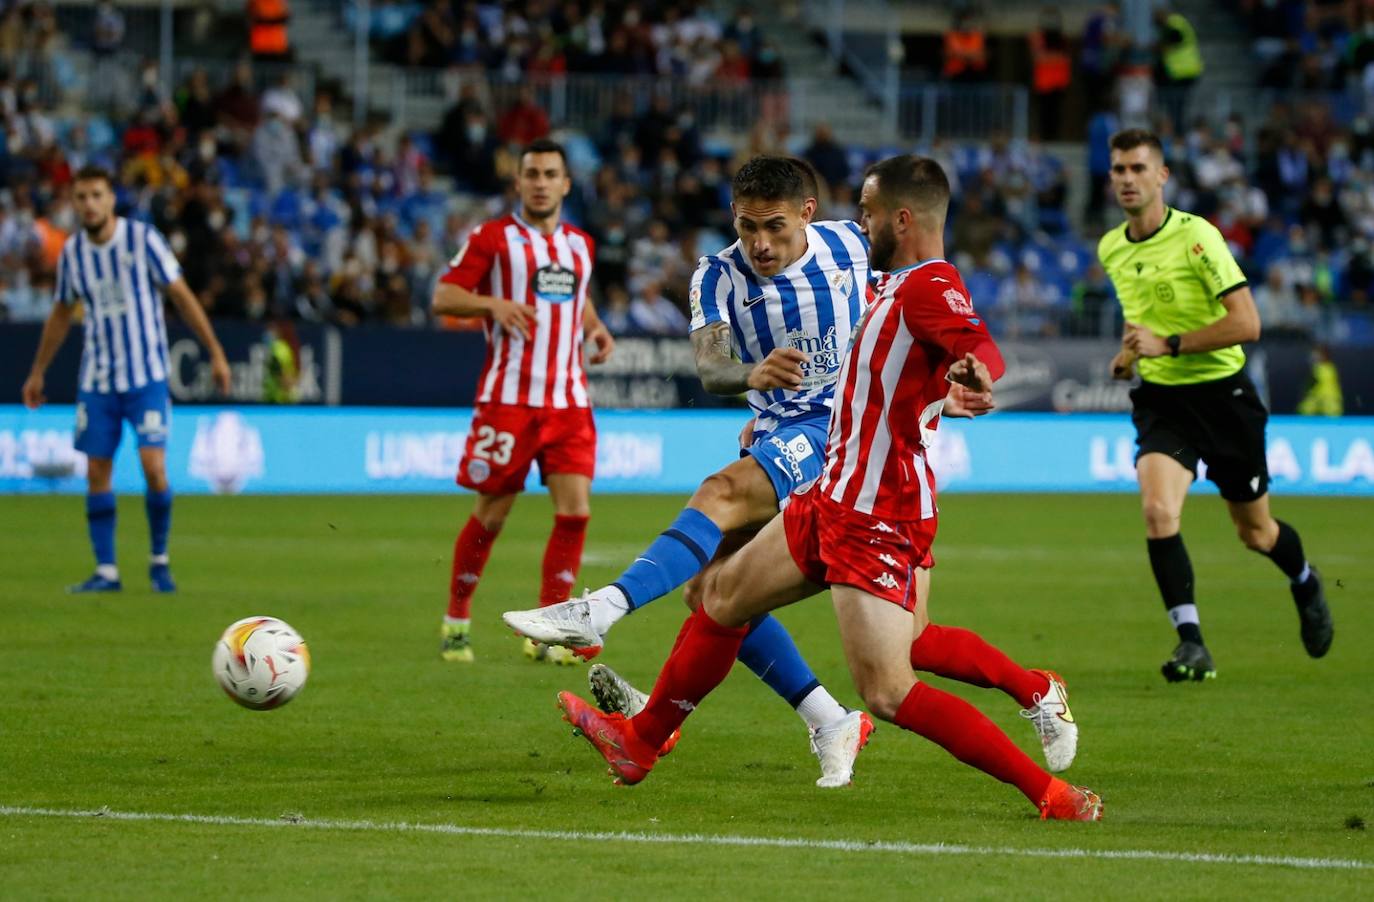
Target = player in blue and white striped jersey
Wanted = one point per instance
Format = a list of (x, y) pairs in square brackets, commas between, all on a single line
[(117, 269), (771, 315)]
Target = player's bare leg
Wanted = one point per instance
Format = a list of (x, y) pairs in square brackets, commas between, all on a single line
[(1164, 484), (571, 497), (1279, 542), (100, 521), (963, 655), (877, 636), (158, 504), (470, 552)]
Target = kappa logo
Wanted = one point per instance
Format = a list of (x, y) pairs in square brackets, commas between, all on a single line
[(958, 303), (685, 705), (888, 559), (1139, 267), (938, 279), (887, 581), (880, 526), (1254, 484)]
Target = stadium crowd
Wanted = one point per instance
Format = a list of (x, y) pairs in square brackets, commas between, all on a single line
[(277, 208)]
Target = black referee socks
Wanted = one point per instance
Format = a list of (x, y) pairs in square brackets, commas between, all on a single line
[(1287, 553), (1174, 575)]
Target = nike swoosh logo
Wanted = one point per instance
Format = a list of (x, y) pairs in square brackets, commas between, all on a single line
[(749, 302)]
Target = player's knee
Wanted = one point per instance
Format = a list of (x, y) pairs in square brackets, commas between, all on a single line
[(883, 695), (1161, 518), (718, 494)]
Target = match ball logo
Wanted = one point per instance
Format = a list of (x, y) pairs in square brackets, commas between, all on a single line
[(958, 303)]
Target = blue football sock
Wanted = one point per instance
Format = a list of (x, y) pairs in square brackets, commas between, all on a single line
[(771, 654), (159, 507), (100, 520), (677, 555)]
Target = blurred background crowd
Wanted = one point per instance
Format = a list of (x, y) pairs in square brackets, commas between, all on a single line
[(282, 200)]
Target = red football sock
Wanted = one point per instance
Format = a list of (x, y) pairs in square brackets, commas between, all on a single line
[(963, 655), (965, 733), (700, 663), (562, 558), (470, 552)]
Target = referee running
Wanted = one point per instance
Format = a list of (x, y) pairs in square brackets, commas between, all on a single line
[(1188, 308)]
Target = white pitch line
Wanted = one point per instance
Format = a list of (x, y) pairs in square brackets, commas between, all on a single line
[(772, 842)]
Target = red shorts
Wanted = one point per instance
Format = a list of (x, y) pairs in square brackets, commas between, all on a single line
[(833, 544), (506, 438)]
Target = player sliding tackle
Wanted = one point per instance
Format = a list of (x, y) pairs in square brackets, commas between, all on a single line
[(787, 283)]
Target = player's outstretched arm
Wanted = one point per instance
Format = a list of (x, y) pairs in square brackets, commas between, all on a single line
[(722, 374), (972, 373), (193, 315), (455, 300), (55, 329)]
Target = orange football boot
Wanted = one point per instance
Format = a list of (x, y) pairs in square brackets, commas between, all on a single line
[(1065, 802), (611, 736)]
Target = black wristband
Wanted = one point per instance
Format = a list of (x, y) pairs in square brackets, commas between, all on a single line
[(1173, 341)]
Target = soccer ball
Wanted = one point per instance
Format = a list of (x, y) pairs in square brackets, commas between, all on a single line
[(261, 662)]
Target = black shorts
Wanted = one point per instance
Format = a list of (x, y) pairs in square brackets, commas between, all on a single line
[(1220, 422)]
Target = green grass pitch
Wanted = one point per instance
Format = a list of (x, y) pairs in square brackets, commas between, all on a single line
[(108, 702)]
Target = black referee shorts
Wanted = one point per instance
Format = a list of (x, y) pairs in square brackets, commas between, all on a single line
[(1220, 423)]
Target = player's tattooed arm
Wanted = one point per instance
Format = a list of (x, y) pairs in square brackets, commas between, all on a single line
[(722, 374)]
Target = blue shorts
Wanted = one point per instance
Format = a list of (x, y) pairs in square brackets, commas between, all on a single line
[(792, 455), (100, 418)]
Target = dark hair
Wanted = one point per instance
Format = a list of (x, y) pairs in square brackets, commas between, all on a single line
[(1131, 138), (94, 173), (547, 145), (912, 181), (770, 178), (811, 180)]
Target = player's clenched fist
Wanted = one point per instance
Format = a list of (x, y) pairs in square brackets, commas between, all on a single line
[(971, 373), (782, 368)]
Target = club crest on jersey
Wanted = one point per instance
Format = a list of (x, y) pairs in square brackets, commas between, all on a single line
[(842, 282), (958, 303), (554, 284), (478, 470)]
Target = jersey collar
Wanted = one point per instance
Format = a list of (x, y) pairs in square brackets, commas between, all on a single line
[(917, 265), (1168, 214), (520, 220)]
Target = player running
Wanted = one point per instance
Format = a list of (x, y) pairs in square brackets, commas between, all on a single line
[(787, 295), (527, 275), (118, 268), (868, 523), (1188, 308)]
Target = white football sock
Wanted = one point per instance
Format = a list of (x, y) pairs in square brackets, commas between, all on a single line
[(608, 605), (162, 559), (820, 708), (463, 622), (107, 571)]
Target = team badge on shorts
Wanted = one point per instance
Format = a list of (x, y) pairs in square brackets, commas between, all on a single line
[(478, 470)]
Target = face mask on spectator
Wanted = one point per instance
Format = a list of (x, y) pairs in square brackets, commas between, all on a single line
[(477, 131)]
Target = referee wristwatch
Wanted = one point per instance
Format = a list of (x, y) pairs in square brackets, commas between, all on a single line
[(1173, 341)]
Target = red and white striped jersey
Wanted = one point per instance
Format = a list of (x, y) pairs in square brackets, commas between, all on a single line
[(509, 258), (892, 388)]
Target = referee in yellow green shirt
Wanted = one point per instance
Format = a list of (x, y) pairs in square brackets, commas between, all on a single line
[(1188, 308)]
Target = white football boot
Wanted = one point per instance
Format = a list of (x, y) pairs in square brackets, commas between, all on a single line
[(837, 744), (1053, 721), (568, 623)]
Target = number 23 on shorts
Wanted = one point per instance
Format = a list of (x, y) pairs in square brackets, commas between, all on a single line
[(493, 446)]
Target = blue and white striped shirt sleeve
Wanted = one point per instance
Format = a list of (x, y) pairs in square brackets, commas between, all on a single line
[(166, 269), (710, 294), (64, 291)]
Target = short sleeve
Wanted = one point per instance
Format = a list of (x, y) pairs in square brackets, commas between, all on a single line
[(474, 260), (709, 295), (166, 269), (1212, 262), (942, 314), (64, 292)]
